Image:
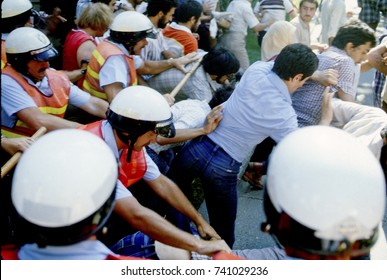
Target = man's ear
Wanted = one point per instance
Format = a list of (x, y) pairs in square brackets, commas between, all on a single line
[(348, 47), (298, 77)]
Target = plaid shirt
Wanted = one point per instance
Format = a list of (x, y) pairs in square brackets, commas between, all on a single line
[(199, 85), (379, 80), (370, 10), (307, 99), (377, 86)]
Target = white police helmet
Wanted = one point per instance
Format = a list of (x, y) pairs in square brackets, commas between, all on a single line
[(11, 8), (28, 43), (325, 192), (64, 186), (131, 27), (136, 110)]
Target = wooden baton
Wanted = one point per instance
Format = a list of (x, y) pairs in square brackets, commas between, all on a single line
[(15, 158), (186, 77)]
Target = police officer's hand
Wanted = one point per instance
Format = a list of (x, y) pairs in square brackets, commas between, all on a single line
[(170, 99), (180, 62), (13, 145), (207, 232), (326, 107), (211, 247)]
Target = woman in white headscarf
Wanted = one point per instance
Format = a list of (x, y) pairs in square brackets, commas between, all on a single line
[(280, 34)]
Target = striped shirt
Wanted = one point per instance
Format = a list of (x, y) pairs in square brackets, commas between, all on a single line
[(276, 9)]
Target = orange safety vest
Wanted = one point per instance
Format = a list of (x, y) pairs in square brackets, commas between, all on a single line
[(3, 55), (226, 256), (129, 172), (55, 105), (98, 58)]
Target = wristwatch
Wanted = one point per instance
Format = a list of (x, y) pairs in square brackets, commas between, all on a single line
[(83, 71)]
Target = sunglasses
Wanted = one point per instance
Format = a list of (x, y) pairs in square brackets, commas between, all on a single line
[(45, 54), (167, 131)]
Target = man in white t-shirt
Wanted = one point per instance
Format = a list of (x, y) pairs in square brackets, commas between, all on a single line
[(333, 15), (234, 38)]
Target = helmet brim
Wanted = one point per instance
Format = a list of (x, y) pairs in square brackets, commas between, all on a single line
[(151, 35), (166, 129), (131, 126), (45, 54)]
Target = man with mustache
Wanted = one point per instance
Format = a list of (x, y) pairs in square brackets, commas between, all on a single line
[(35, 95)]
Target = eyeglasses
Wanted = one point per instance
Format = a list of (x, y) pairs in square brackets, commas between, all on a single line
[(230, 77)]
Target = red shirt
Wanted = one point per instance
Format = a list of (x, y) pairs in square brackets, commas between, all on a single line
[(74, 39), (187, 41)]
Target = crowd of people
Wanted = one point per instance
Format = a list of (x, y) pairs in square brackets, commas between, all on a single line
[(144, 101)]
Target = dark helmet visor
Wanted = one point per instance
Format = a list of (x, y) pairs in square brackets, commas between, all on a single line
[(166, 129), (45, 54), (138, 127)]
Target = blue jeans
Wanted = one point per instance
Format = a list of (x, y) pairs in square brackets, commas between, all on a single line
[(136, 245), (218, 172)]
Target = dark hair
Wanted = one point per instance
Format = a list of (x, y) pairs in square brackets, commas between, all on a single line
[(156, 6), (310, 1), (221, 95), (295, 59), (355, 32), (188, 9), (11, 23), (220, 61)]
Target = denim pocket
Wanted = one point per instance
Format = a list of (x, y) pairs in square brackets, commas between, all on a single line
[(135, 245)]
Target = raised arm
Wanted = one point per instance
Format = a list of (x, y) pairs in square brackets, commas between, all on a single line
[(212, 121)]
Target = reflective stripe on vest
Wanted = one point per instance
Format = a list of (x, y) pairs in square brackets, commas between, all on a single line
[(3, 55), (98, 58), (20, 132), (55, 105), (129, 173)]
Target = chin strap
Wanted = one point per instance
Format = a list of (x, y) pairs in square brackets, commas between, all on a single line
[(129, 47), (129, 140), (129, 156)]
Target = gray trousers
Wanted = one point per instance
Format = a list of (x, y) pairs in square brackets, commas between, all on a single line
[(236, 43)]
